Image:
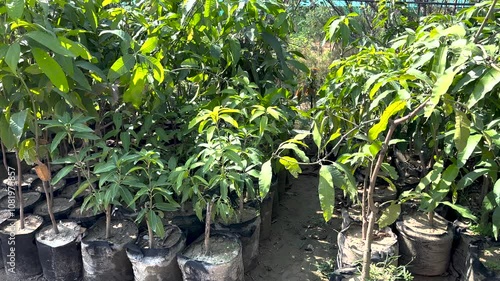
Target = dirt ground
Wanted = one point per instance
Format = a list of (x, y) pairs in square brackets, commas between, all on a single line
[(301, 241)]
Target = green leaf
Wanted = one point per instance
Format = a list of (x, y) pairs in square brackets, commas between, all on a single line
[(76, 48), (265, 178), (57, 139), (49, 41), (487, 82), (104, 167), (448, 177), (291, 164), (464, 155), (316, 135), (15, 8), (391, 110), (495, 219), (120, 33), (462, 130), (134, 92), (17, 121), (167, 207), (326, 191), (52, 69), (301, 154), (470, 177), (80, 189), (229, 120), (274, 43), (440, 88), (127, 197), (12, 56), (433, 175), (389, 215), (27, 151), (262, 125), (61, 174), (157, 67), (149, 45), (463, 211), (121, 66), (496, 192), (6, 135), (390, 170)]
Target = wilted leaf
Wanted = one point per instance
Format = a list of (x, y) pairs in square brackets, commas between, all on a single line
[(42, 171)]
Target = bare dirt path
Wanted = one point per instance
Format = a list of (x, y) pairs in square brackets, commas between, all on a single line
[(301, 242)]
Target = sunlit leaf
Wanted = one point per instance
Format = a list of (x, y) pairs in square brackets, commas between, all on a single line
[(326, 191)]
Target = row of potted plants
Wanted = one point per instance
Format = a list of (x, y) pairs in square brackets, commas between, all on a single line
[(149, 108)]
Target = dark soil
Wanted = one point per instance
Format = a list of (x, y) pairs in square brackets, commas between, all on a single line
[(122, 231)]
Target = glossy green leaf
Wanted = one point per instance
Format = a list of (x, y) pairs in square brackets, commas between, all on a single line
[(265, 178), (52, 69), (389, 215), (157, 67), (6, 136), (12, 56), (488, 81), (61, 174), (390, 111), (17, 121), (135, 91), (440, 88), (27, 151), (57, 139), (316, 135), (462, 130), (326, 191), (291, 164), (301, 154), (149, 45), (15, 8), (121, 66), (463, 211), (495, 219), (464, 155), (50, 41)]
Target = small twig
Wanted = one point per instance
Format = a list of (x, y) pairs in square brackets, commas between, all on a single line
[(483, 24)]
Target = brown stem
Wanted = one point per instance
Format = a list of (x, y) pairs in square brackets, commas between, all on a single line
[(150, 233), (208, 217), (108, 221), (483, 24), (4, 158), (364, 208), (20, 190), (430, 216), (373, 179), (241, 205), (50, 203)]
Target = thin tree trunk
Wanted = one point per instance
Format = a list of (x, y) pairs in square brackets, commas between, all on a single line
[(207, 227), (50, 203), (364, 210), (373, 179), (108, 221), (20, 190), (4, 158), (150, 234)]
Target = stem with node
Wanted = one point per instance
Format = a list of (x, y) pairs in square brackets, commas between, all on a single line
[(208, 217), (372, 207), (20, 189)]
